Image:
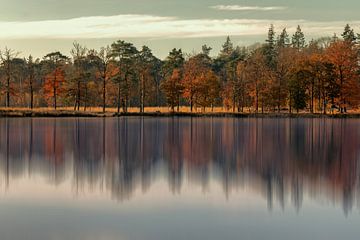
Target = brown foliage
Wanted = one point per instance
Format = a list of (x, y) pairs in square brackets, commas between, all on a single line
[(53, 87), (343, 56)]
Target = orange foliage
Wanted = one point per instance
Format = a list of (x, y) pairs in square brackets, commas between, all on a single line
[(53, 86), (345, 60), (173, 88)]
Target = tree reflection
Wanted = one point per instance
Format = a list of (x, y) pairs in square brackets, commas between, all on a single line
[(279, 158)]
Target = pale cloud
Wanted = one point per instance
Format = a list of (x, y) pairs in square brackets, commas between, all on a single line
[(247, 8), (148, 26)]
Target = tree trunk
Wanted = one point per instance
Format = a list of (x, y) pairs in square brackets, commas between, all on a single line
[(257, 102), (8, 91), (86, 97), (178, 104), (104, 93), (342, 99), (118, 98), (234, 104), (31, 94), (126, 97), (54, 89), (312, 98), (78, 95), (290, 102), (191, 103), (142, 94), (279, 97)]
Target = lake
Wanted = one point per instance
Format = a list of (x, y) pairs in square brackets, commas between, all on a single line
[(179, 178)]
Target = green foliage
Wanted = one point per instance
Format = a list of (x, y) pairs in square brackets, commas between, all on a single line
[(270, 48), (175, 60), (297, 86), (227, 47), (348, 34), (283, 39), (298, 39)]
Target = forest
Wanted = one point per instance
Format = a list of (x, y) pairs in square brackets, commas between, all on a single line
[(285, 73)]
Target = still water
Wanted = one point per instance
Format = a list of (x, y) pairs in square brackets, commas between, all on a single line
[(179, 178)]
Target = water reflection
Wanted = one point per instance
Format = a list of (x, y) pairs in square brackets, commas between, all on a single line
[(282, 159)]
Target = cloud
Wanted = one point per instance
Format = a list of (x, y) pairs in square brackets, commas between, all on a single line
[(148, 26), (247, 8)]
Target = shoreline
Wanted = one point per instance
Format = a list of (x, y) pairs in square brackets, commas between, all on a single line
[(89, 114)]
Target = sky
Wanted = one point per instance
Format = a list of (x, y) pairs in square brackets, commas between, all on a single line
[(38, 27)]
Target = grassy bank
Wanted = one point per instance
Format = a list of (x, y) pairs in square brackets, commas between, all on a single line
[(159, 112)]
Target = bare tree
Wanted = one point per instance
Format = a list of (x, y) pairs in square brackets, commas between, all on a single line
[(102, 60), (6, 56), (79, 56)]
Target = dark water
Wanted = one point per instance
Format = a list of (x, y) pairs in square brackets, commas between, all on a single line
[(181, 178)]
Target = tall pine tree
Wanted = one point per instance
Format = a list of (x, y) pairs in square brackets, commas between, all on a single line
[(270, 48), (348, 34), (283, 39), (298, 39)]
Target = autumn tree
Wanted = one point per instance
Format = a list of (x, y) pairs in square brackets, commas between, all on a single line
[(173, 88), (54, 80), (241, 87), (195, 69), (54, 86), (172, 73), (208, 89), (282, 73), (192, 70), (225, 66), (258, 75), (344, 57)]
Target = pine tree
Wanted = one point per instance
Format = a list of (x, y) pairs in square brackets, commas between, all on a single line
[(298, 39), (348, 34), (206, 50), (283, 39), (125, 53), (298, 94), (269, 49), (175, 60), (227, 47), (145, 68)]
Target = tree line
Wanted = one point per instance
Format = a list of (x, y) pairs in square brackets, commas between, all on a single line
[(285, 73)]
